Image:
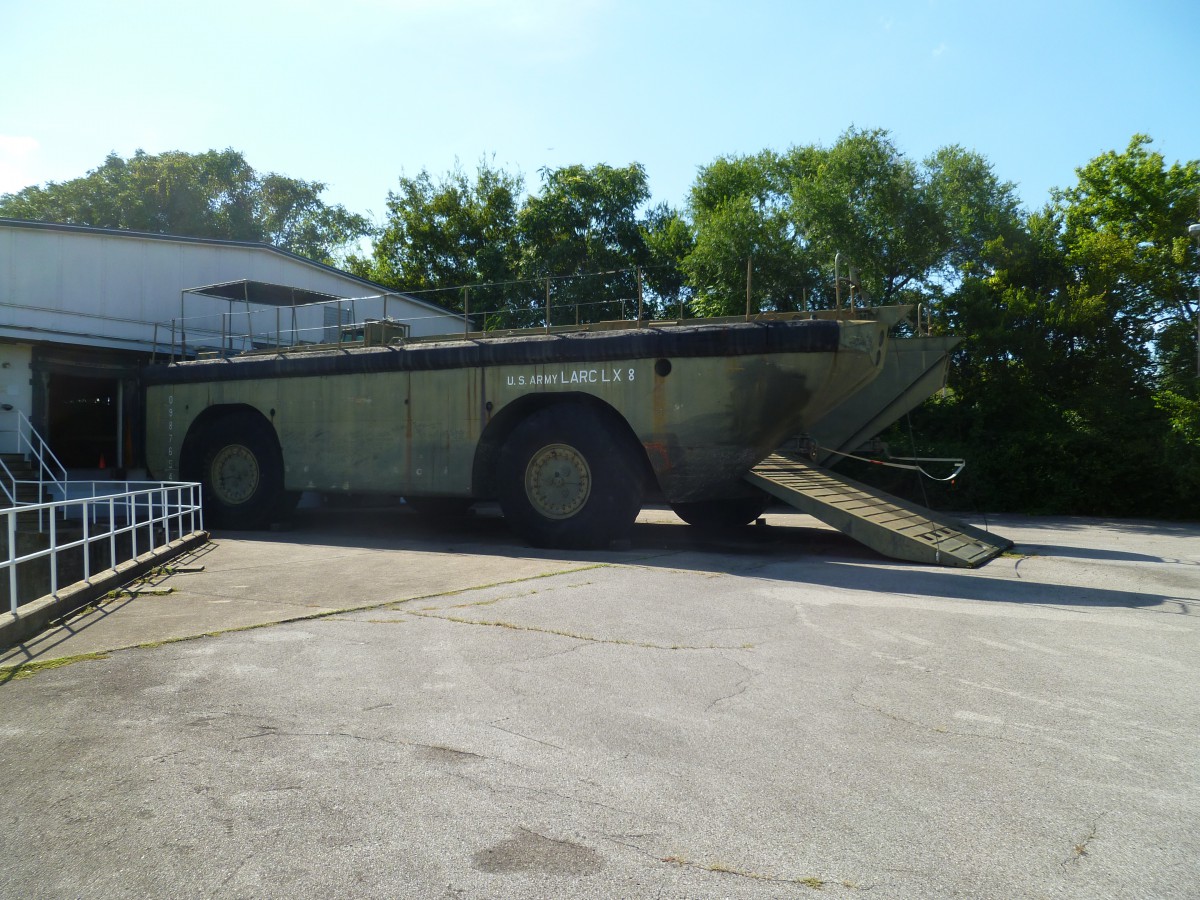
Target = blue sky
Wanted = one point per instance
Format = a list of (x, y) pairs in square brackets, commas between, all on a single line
[(356, 92)]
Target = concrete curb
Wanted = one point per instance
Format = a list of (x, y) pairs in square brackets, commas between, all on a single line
[(32, 618)]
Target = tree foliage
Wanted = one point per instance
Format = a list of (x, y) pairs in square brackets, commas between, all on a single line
[(443, 235), (585, 222), (669, 239), (744, 220), (583, 235), (1070, 390), (216, 194), (899, 229)]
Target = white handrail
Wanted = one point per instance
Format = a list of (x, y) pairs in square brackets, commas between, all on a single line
[(154, 513), (8, 484), (48, 464), (50, 471)]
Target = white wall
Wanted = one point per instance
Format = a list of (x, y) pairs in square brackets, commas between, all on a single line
[(16, 390), (108, 289)]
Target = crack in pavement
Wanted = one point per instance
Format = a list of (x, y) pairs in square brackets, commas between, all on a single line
[(739, 688), (513, 626), (931, 728), (525, 736), (717, 868)]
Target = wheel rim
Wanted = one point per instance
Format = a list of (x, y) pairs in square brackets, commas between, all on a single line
[(235, 475), (558, 481)]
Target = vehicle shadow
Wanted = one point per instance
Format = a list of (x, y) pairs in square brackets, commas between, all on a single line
[(1095, 553), (809, 554)]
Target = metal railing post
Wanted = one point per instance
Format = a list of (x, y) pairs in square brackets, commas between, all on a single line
[(749, 278), (639, 289), (837, 281), (12, 559), (87, 546), (53, 554), (112, 534)]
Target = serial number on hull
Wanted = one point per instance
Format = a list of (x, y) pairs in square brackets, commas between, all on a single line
[(574, 376)]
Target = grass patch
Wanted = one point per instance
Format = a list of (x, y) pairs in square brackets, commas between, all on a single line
[(720, 868), (29, 669), (495, 584), (513, 626)]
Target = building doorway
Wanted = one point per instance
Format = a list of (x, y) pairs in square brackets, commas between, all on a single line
[(84, 419)]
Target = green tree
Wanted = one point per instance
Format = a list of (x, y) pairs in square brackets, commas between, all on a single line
[(1066, 394), (1125, 234), (742, 212), (866, 201), (582, 231), (977, 213), (669, 240), (906, 230), (446, 235), (215, 194)]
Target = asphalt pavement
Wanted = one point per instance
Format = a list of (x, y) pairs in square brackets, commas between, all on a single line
[(370, 706)]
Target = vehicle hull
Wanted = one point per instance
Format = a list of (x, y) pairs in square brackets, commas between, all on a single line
[(705, 403)]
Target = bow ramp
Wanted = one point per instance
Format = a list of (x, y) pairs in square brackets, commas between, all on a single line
[(884, 523)]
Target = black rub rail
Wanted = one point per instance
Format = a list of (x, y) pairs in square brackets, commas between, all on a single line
[(741, 339)]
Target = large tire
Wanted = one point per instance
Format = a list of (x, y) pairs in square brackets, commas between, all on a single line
[(568, 478), (723, 514), (242, 473)]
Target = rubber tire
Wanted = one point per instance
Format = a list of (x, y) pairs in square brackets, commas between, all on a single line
[(613, 497), (245, 447), (724, 514)]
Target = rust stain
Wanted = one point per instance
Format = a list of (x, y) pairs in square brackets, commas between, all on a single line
[(659, 454)]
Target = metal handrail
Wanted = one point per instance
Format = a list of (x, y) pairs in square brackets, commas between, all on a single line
[(48, 464), (8, 484), (50, 471), (174, 507)]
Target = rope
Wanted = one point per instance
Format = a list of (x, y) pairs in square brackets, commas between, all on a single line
[(912, 442), (891, 463)]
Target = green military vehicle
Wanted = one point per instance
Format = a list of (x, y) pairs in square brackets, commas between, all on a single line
[(570, 429)]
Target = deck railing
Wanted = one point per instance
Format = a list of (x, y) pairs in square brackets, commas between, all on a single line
[(129, 517)]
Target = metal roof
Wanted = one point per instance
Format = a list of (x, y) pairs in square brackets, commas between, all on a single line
[(373, 287), (263, 293)]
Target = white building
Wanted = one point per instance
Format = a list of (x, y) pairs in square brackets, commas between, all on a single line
[(83, 309)]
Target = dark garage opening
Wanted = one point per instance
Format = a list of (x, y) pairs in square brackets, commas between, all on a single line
[(83, 420)]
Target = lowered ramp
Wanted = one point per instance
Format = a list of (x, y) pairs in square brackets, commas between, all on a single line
[(884, 523)]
